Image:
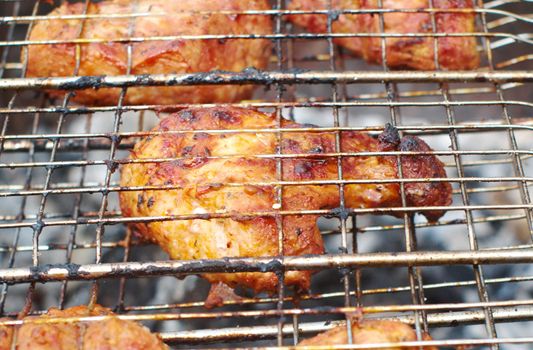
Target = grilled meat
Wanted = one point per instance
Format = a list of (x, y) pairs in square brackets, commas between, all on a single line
[(170, 18), (368, 332), (111, 333), (240, 184), (415, 52)]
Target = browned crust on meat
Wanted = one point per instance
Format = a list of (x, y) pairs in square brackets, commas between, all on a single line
[(111, 333), (205, 187), (455, 53), (154, 57)]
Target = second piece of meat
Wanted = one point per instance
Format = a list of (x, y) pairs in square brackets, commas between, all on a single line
[(158, 52), (111, 333), (416, 52), (234, 172), (369, 332)]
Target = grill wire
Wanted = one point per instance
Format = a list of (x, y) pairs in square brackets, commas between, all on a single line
[(60, 222)]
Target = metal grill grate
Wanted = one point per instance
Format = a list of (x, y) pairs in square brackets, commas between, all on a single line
[(60, 222)]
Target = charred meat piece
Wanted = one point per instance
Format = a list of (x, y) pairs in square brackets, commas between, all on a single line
[(369, 332), (415, 52), (159, 56), (111, 333), (213, 173)]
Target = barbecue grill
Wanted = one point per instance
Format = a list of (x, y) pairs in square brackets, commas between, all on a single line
[(466, 279)]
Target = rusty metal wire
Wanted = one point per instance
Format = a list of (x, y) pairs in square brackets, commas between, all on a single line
[(40, 153)]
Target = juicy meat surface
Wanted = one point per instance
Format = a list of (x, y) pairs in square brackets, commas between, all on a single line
[(170, 18), (111, 333), (454, 53), (208, 170), (368, 332)]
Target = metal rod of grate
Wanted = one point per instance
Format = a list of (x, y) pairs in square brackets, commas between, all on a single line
[(497, 85)]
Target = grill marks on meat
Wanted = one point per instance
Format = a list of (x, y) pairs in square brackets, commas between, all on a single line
[(153, 56), (209, 186), (111, 333), (454, 52)]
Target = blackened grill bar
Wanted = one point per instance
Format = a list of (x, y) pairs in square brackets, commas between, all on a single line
[(47, 273), (253, 76)]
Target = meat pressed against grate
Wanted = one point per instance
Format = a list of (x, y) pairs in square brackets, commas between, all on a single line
[(250, 230)]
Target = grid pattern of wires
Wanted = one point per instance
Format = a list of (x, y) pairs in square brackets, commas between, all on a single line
[(58, 220)]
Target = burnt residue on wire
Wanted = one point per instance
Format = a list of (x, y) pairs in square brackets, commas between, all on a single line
[(41, 272), (59, 272), (266, 78), (84, 82), (201, 78)]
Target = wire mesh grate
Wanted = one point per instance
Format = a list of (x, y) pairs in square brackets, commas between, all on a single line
[(467, 279)]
